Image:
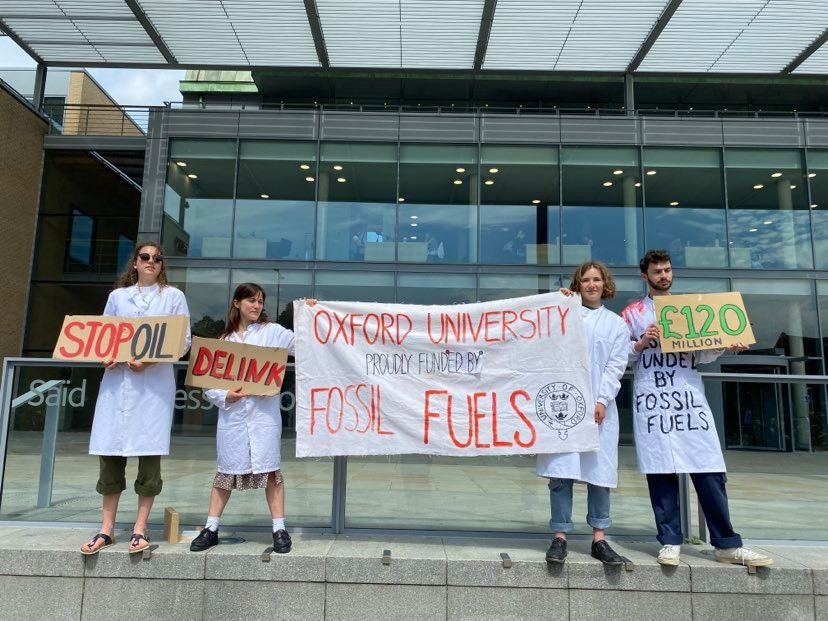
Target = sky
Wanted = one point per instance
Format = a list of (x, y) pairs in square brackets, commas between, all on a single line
[(128, 87)]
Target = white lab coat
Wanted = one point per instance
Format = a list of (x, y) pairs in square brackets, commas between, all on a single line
[(249, 431), (609, 346), (674, 427), (134, 411)]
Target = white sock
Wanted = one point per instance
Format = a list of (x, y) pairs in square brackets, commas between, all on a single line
[(212, 523), (278, 524)]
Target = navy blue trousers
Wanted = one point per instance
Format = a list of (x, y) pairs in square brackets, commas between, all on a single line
[(710, 488)]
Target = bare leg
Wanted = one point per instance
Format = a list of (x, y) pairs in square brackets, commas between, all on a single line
[(109, 511), (144, 508), (218, 500), (597, 534), (275, 494)]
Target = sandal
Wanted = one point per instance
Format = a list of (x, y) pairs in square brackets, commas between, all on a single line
[(135, 543), (108, 541)]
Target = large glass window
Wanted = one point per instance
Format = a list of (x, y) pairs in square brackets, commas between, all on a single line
[(818, 179), (435, 288), (208, 297), (601, 200), (198, 198), (357, 202), (274, 203), (768, 219), (686, 205), (503, 286), (439, 187), (519, 213), (355, 286)]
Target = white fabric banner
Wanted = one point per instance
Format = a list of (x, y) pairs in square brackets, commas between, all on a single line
[(493, 378)]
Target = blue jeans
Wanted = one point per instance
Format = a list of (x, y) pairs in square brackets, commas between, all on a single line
[(560, 500)]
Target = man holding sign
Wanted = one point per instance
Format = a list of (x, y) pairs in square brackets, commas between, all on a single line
[(675, 431)]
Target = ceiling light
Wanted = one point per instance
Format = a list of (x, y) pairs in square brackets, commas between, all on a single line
[(638, 184), (337, 167), (341, 179), (304, 166), (536, 201), (673, 203), (413, 237), (192, 176), (458, 181), (758, 186), (814, 206), (768, 222), (494, 171), (400, 200), (811, 175), (309, 178), (489, 182), (413, 224), (753, 230), (776, 174), (460, 170), (617, 172), (413, 217), (607, 184), (651, 173), (265, 195), (182, 164), (793, 187)]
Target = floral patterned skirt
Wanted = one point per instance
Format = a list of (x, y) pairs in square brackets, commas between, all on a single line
[(251, 480)]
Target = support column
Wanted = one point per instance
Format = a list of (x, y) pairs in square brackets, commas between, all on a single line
[(39, 86), (629, 94), (630, 220), (323, 194), (474, 195)]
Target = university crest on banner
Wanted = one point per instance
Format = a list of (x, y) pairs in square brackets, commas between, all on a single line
[(493, 378)]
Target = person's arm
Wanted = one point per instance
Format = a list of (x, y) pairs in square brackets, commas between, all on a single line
[(223, 399)]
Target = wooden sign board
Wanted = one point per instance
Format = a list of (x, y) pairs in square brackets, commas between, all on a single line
[(702, 321), (99, 337), (226, 365)]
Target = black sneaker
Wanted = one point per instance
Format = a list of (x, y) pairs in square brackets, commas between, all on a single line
[(206, 539), (281, 541), (557, 551), (604, 553)]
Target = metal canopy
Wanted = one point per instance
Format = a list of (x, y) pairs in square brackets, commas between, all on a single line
[(617, 36)]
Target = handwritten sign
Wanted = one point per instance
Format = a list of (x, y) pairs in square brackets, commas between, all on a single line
[(99, 337), (227, 365), (495, 378), (702, 321)]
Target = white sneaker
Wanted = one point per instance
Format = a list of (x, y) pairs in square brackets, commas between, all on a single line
[(742, 556), (669, 555)]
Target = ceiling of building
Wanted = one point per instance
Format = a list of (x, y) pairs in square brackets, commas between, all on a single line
[(616, 36)]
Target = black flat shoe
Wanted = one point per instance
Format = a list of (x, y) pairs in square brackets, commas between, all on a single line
[(206, 539), (604, 553), (281, 541), (557, 551)]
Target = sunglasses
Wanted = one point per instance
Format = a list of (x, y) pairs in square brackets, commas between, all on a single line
[(146, 256)]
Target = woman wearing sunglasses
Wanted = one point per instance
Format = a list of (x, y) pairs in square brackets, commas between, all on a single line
[(133, 414)]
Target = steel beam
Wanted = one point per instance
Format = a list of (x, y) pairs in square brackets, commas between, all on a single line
[(316, 30), (20, 43), (655, 32), (486, 20), (146, 24), (804, 54)]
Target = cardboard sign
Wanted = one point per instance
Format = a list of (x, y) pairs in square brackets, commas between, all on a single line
[(99, 337), (702, 321), (226, 365), (494, 378)]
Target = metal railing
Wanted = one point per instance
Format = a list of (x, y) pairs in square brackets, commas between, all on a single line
[(97, 120), (9, 402)]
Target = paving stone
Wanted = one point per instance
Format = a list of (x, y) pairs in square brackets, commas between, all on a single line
[(601, 605), (739, 607), (709, 576), (496, 604), (381, 602), (477, 562), (814, 557), (31, 597), (821, 608), (161, 600), (414, 560), (41, 552), (232, 599), (586, 572), (304, 563)]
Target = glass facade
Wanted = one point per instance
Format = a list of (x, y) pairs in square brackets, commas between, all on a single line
[(448, 223)]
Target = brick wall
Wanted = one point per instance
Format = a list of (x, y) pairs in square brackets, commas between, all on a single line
[(21, 164), (83, 91)]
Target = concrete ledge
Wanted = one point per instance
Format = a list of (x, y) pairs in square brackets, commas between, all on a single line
[(43, 575)]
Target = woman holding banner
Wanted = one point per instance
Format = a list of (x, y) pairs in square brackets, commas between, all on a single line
[(249, 430), (134, 410), (608, 342)]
